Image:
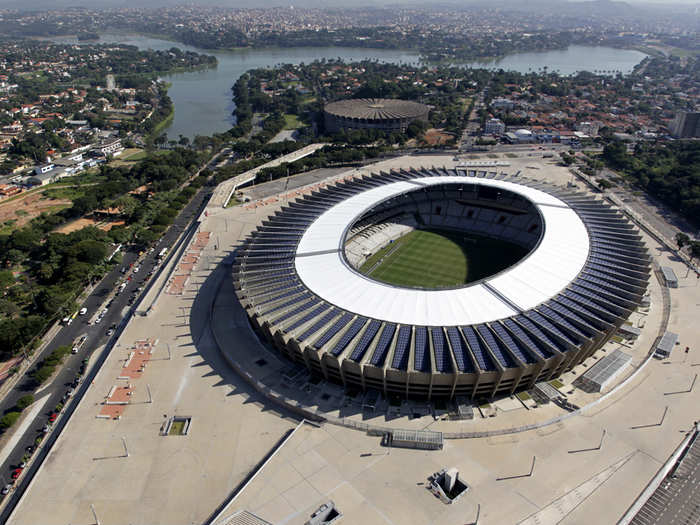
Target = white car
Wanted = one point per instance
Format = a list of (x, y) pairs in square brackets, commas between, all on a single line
[(83, 311), (136, 269)]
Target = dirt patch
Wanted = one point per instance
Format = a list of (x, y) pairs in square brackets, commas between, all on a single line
[(26, 208), (75, 225), (83, 222), (437, 137)]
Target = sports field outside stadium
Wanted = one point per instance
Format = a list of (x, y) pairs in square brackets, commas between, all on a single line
[(432, 258)]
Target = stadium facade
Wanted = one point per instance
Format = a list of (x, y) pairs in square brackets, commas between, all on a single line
[(585, 271), (373, 113)]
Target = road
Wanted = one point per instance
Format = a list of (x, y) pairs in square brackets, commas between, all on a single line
[(96, 338)]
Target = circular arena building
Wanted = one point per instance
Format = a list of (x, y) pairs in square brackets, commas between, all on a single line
[(373, 113), (572, 271)]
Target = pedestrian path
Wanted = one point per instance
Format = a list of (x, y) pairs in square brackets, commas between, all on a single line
[(134, 366), (183, 271)]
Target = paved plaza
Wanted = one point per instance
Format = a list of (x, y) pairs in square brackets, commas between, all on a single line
[(131, 473)]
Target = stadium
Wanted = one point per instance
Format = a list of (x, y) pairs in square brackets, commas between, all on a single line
[(373, 113), (436, 283)]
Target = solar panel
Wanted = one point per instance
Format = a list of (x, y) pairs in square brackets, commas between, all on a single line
[(274, 290), (526, 340), (402, 351), (307, 317), (365, 340), (296, 311), (337, 327), (382, 348), (511, 344), (355, 327), (278, 297), (559, 319), (589, 309), (459, 349), (302, 297), (318, 324), (422, 356), (595, 292), (483, 359), (536, 332), (442, 354), (498, 350)]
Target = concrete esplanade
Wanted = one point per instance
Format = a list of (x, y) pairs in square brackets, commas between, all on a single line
[(586, 270), (373, 113)]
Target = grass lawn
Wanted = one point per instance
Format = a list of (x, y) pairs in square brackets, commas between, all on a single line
[(292, 122), (66, 192), (177, 427), (440, 259)]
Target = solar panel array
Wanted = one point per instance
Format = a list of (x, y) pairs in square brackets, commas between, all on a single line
[(459, 349), (345, 339), (365, 340), (422, 353), (443, 363), (337, 327), (382, 348), (318, 325), (403, 350)]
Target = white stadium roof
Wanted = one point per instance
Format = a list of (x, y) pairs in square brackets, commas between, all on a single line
[(548, 269)]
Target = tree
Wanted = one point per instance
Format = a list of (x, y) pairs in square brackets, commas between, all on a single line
[(92, 252), (695, 249), (6, 279), (8, 420), (682, 240), (24, 401)]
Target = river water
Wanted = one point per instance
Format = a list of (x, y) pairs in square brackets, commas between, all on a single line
[(202, 99)]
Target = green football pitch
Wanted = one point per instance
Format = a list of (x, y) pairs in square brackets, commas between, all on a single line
[(440, 259)]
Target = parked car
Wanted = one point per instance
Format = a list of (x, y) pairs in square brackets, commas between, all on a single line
[(83, 311), (16, 473), (52, 417), (6, 489)]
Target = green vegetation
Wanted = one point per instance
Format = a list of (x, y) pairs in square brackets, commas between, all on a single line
[(292, 121), (53, 268), (139, 155), (24, 401), (440, 259), (177, 427), (8, 420), (556, 383), (668, 171), (47, 367)]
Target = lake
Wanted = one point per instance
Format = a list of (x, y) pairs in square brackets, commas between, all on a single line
[(202, 99)]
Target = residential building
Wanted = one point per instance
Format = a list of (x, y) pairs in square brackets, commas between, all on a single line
[(109, 147), (589, 128), (43, 168), (494, 126)]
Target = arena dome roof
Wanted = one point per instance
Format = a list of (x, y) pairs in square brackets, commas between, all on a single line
[(376, 109), (322, 268)]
